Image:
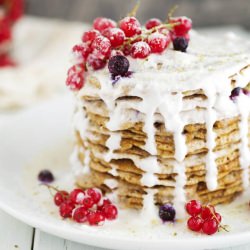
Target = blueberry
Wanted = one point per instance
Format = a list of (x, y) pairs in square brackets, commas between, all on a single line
[(118, 65), (167, 212), (45, 176), (235, 92), (180, 44)]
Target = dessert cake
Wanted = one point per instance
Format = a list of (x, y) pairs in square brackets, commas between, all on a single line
[(161, 115)]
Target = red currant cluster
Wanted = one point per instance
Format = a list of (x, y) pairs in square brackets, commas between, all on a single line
[(85, 206), (203, 218), (128, 37), (10, 12)]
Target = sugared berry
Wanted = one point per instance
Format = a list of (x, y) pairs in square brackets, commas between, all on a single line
[(180, 44), (130, 26), (103, 203), (210, 226), (153, 22), (102, 23), (140, 50), (167, 212), (80, 214), (89, 36), (75, 81), (96, 61), (110, 212), (81, 52), (46, 176), (183, 26), (95, 194), (66, 209), (118, 65), (158, 42), (88, 202), (95, 218), (116, 36), (102, 45), (60, 197), (207, 212), (193, 207), (77, 196), (235, 93), (195, 224)]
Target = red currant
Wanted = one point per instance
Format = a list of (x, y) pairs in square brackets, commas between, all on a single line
[(95, 218), (75, 69), (194, 207), (5, 30), (102, 23), (94, 194), (77, 196), (103, 203), (81, 51), (89, 36), (110, 212), (6, 61), (80, 214), (66, 209), (153, 22), (102, 45), (126, 49), (130, 26), (15, 9), (75, 81), (195, 224), (207, 212), (60, 197), (87, 202), (158, 42), (218, 217), (96, 61), (183, 26), (116, 36), (210, 226), (140, 50)]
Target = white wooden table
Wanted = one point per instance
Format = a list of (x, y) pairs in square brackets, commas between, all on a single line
[(15, 235)]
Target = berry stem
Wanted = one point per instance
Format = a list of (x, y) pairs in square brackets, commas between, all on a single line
[(135, 9), (50, 188), (171, 12)]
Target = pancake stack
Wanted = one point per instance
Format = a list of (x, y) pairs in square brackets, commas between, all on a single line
[(176, 129)]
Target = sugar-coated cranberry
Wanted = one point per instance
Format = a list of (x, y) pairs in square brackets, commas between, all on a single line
[(95, 194), (235, 93), (66, 209), (140, 50), (183, 26), (118, 65), (167, 212), (207, 212), (158, 42), (60, 197), (153, 22), (77, 196), (88, 202), (95, 218), (110, 211), (80, 214), (210, 226), (102, 23), (81, 51), (193, 207), (116, 36), (96, 61), (75, 81), (180, 44), (195, 223), (89, 36), (102, 45), (46, 176), (130, 26)]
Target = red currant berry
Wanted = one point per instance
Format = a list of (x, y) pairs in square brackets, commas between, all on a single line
[(15, 9), (140, 50), (153, 22), (60, 197), (6, 61), (66, 209), (77, 196), (102, 23), (116, 36), (102, 45), (207, 212), (195, 223), (75, 69), (126, 49), (130, 26), (218, 217), (88, 202), (194, 207), (183, 26), (103, 203), (5, 30), (96, 61), (110, 212), (80, 214), (158, 42), (95, 218), (89, 36), (94, 194), (75, 81), (81, 51), (210, 226)]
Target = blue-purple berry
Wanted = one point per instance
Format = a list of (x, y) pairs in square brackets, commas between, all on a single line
[(167, 212), (180, 44), (235, 93), (46, 176), (118, 65)]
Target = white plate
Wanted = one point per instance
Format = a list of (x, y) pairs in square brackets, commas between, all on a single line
[(39, 138)]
